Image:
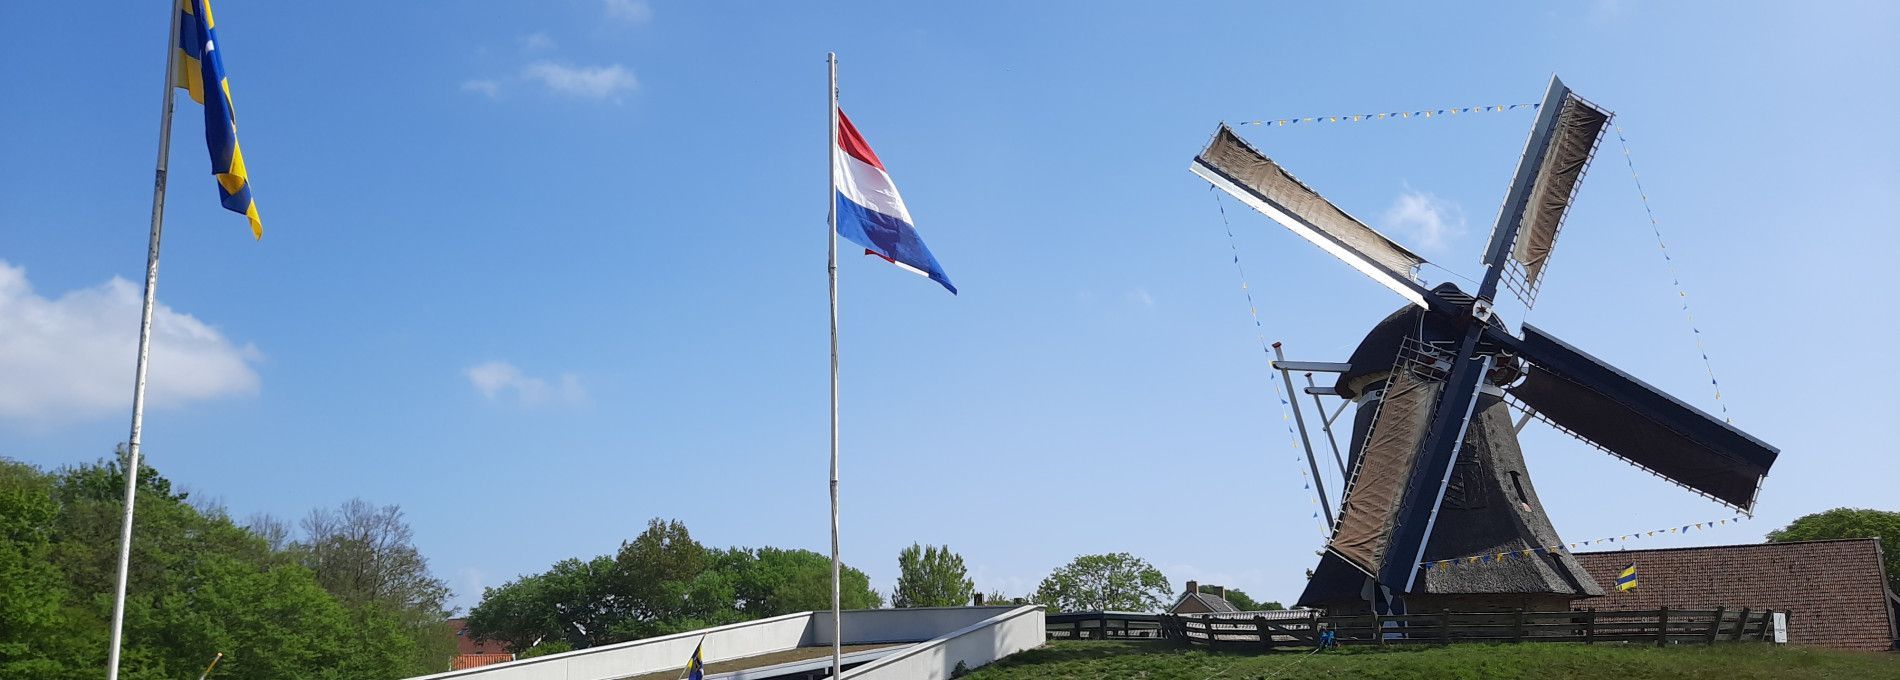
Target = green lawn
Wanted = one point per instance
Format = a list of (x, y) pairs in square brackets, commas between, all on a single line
[(1160, 660)]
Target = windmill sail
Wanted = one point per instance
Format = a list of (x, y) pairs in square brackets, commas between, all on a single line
[(1639, 423), (1561, 148), (1377, 491), (1250, 177)]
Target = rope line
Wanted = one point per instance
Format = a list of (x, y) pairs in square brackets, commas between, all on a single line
[(1281, 390), (1393, 115), (1558, 548), (1675, 277)]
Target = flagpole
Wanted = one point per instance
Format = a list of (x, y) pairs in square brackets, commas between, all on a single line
[(831, 269), (131, 469)]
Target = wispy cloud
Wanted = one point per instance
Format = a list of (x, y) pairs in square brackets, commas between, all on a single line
[(630, 11), (538, 41), (496, 379), (1140, 296), (590, 82), (482, 86), (1428, 220), (69, 358)]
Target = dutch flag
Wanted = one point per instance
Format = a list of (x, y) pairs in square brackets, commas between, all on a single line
[(871, 213)]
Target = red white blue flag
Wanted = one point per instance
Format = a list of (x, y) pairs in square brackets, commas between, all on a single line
[(871, 213)]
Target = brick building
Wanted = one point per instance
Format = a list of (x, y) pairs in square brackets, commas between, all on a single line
[(1193, 601), (470, 652), (1835, 591)]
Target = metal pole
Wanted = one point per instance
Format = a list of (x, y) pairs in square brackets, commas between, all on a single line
[(831, 268), (1326, 425), (1311, 462), (214, 664), (145, 346)]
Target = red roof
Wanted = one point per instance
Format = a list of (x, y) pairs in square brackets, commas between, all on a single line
[(466, 645), (462, 661)]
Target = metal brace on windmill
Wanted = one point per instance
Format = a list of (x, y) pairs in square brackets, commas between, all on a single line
[(1436, 469)]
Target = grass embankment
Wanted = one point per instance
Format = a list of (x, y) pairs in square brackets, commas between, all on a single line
[(1160, 660)]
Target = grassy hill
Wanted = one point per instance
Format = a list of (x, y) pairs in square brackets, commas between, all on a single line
[(1159, 661)]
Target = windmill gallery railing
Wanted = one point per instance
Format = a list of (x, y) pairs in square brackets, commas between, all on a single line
[(1658, 626)]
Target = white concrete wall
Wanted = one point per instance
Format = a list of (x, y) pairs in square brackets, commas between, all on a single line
[(978, 644), (916, 624), (973, 635), (751, 638)]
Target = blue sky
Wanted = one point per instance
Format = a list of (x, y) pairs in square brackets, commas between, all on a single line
[(537, 276)]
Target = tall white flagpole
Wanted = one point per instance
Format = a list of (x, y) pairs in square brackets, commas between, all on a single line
[(131, 461), (831, 268)]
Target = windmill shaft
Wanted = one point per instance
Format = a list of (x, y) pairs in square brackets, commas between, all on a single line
[(1432, 471)]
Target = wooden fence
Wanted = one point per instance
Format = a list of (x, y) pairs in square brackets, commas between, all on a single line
[(1103, 626), (1659, 627)]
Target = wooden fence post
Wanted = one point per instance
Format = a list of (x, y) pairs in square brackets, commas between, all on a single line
[(1444, 625), (1266, 636), (1378, 629), (1741, 624), (1102, 633), (1517, 631), (1590, 627), (1767, 620), (1662, 627), (1715, 626)]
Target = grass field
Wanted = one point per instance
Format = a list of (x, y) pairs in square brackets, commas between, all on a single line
[(1161, 661)]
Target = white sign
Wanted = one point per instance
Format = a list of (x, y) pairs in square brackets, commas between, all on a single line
[(1781, 628)]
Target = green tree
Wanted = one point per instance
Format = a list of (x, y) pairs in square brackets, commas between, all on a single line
[(31, 587), (1110, 582), (931, 576), (774, 581), (660, 582), (198, 585), (1850, 523), (365, 556)]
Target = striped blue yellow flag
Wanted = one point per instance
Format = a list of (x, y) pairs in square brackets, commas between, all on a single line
[(696, 668), (198, 63), (1626, 581)]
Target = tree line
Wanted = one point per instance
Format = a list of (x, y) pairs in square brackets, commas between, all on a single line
[(342, 596), (663, 581)]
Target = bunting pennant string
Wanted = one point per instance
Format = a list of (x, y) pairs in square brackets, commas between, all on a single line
[(1280, 390), (1392, 115), (1674, 277), (1559, 548)]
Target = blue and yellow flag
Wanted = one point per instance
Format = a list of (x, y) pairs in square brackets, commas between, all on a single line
[(696, 668), (1626, 581), (198, 63)]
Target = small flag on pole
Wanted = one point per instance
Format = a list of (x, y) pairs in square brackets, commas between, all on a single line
[(1626, 581), (199, 65), (872, 214), (696, 667)]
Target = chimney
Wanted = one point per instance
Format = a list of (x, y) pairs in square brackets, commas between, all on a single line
[(979, 599), (1221, 592), (1193, 587)]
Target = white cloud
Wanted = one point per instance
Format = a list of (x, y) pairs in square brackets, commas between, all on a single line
[(71, 358), (592, 82), (1429, 220), (495, 378), (630, 11), (1141, 297), (538, 41), (483, 86)]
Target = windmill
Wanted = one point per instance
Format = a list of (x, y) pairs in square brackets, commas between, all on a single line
[(1436, 469)]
